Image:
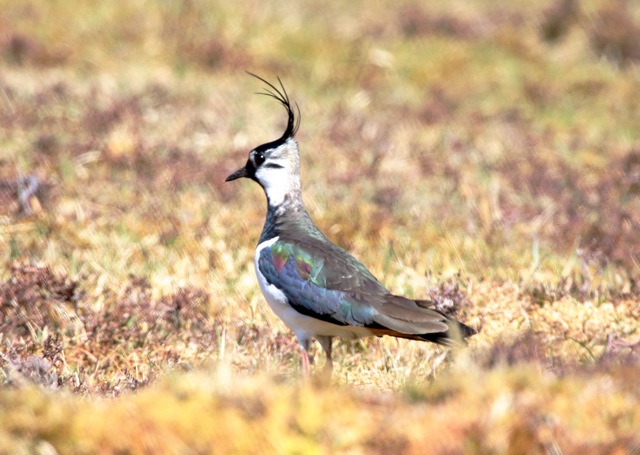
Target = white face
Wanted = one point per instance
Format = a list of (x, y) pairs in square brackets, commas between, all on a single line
[(278, 171)]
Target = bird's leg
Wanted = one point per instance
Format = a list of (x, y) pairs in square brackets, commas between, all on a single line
[(325, 342), (306, 367)]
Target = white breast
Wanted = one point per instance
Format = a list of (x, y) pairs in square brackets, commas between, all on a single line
[(305, 327)]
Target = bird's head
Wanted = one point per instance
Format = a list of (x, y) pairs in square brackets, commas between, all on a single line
[(275, 165)]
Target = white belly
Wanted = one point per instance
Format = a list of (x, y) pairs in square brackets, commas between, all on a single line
[(305, 327)]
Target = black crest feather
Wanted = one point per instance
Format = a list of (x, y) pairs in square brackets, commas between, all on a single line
[(280, 94)]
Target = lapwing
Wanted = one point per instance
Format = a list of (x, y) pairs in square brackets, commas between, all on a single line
[(317, 288)]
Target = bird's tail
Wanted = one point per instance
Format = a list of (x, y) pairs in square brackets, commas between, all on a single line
[(456, 332), (454, 336), (418, 320)]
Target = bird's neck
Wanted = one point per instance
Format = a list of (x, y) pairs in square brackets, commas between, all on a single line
[(284, 194), (288, 216), (290, 205)]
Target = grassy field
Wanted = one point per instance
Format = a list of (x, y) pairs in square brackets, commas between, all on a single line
[(484, 154)]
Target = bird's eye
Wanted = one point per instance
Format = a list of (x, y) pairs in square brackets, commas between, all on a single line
[(258, 158)]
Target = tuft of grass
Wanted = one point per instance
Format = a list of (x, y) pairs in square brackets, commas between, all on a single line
[(523, 410), (55, 336)]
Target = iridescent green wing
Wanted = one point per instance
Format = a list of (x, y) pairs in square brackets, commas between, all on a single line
[(322, 282)]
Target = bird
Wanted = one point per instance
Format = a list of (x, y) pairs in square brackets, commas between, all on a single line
[(314, 286)]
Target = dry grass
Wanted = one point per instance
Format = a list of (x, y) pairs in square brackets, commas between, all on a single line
[(523, 410), (485, 155)]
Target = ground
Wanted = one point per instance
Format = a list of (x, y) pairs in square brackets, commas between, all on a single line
[(483, 154)]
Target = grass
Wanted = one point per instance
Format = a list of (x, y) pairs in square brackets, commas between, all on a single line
[(484, 155)]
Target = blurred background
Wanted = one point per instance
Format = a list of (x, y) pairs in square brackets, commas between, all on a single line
[(511, 126)]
